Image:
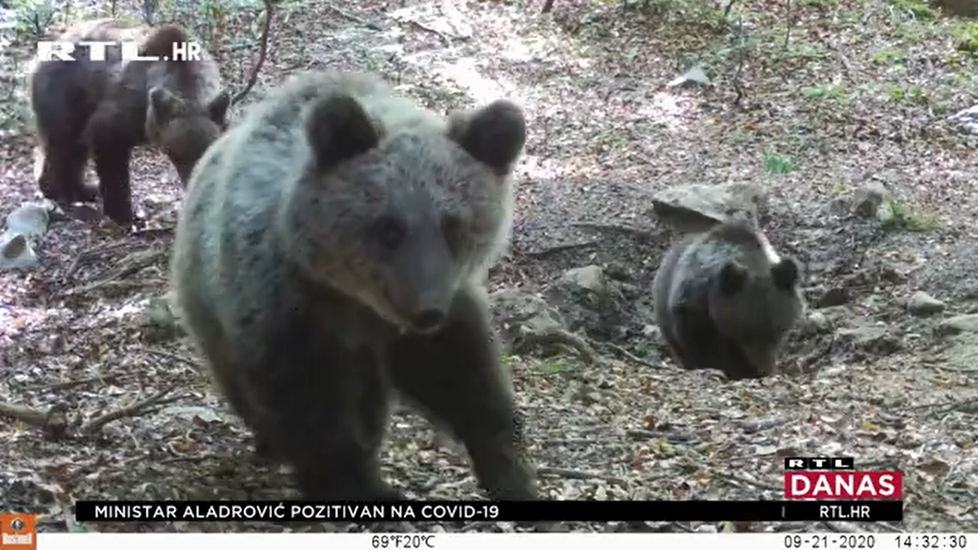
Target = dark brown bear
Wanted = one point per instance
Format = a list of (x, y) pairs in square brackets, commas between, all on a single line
[(724, 299), (333, 248), (104, 109)]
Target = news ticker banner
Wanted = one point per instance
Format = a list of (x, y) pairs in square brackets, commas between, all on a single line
[(495, 541), (473, 511)]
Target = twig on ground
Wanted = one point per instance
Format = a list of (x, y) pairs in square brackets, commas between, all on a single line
[(530, 338), (630, 356), (174, 357), (136, 409), (262, 52), (615, 227), (88, 256), (354, 18), (561, 248), (569, 473), (68, 384), (109, 284), (441, 36), (741, 61)]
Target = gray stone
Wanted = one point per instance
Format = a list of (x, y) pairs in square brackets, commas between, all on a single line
[(696, 207), (833, 297), (30, 219), (922, 304), (589, 277), (869, 199), (958, 325), (16, 252)]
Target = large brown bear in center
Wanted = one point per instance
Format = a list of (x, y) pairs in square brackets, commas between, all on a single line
[(105, 108)]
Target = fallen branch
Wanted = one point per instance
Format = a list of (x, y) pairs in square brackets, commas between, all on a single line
[(550, 336), (434, 31), (354, 18), (568, 473), (54, 421), (174, 357), (615, 227), (561, 248), (262, 52), (631, 356), (136, 409)]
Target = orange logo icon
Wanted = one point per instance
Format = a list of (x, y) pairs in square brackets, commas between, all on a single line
[(17, 532)]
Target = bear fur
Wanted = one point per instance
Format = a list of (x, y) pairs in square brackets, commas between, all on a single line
[(106, 108), (333, 248), (725, 300)]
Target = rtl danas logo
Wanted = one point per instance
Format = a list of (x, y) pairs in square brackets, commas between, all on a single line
[(837, 479)]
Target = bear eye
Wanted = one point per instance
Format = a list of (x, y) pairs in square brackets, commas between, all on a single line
[(389, 232), (451, 226)]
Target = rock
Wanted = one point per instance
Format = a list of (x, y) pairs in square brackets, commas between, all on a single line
[(695, 75), (512, 310), (589, 277), (869, 199), (31, 219), (958, 324), (696, 207), (158, 322), (922, 304), (16, 252), (870, 338), (819, 321), (833, 297), (966, 120), (885, 213)]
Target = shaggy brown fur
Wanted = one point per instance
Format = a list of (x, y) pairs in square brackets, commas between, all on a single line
[(332, 248), (106, 108)]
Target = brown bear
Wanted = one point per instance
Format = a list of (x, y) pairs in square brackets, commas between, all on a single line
[(332, 249), (105, 108), (724, 300)]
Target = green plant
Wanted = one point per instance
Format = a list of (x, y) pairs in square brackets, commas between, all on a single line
[(32, 17), (774, 163), (903, 217), (966, 37)]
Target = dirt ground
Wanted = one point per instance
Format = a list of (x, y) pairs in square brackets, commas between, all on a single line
[(858, 92)]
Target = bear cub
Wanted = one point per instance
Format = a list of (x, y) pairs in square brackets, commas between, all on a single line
[(332, 249), (106, 108), (725, 300)]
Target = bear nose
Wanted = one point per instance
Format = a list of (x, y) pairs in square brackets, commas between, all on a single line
[(428, 320)]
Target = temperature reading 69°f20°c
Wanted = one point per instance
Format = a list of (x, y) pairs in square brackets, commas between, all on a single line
[(397, 542)]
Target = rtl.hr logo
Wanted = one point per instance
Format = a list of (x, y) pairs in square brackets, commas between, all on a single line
[(18, 532), (837, 479)]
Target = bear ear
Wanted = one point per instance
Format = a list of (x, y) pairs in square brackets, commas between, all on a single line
[(785, 274), (162, 103), (733, 277), (217, 110), (493, 135), (339, 129)]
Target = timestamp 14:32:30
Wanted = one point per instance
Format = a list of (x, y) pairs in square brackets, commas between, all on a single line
[(873, 541)]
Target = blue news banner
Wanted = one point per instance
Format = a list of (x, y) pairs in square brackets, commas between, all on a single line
[(474, 511)]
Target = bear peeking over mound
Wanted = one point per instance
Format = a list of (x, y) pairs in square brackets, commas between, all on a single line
[(725, 300), (106, 108), (333, 247)]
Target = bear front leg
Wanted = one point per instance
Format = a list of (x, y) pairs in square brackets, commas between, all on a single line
[(112, 146), (454, 375), (60, 172), (322, 410)]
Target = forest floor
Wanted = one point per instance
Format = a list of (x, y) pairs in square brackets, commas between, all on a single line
[(858, 92)]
